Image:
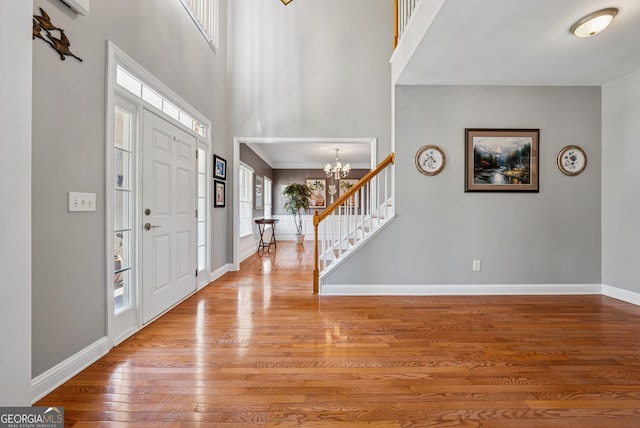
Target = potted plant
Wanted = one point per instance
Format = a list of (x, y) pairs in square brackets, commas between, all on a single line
[(297, 200)]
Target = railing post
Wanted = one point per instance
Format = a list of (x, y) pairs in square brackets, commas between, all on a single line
[(316, 270), (343, 214)]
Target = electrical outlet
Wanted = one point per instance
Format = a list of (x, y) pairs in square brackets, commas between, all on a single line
[(476, 265)]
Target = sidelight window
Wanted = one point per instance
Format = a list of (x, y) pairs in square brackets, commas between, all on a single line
[(122, 209)]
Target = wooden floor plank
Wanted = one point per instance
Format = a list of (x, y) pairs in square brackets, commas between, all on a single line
[(257, 349)]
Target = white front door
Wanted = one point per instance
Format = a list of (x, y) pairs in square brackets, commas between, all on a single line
[(168, 215)]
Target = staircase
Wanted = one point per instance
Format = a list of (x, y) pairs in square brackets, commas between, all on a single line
[(351, 220), (403, 10)]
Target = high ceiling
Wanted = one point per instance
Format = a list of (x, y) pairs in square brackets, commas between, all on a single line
[(290, 153), (492, 42), (523, 42)]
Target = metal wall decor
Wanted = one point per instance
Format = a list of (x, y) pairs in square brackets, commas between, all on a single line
[(572, 160), (43, 29)]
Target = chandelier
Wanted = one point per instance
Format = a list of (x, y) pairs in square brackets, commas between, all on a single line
[(337, 170)]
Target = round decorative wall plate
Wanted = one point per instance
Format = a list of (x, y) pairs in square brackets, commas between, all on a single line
[(430, 160), (572, 160)]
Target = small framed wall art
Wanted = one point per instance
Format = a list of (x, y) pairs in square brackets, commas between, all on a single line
[(219, 168), (572, 160), (430, 160), (345, 185), (318, 188), (219, 194)]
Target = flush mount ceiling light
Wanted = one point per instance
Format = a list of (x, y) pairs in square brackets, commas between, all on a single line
[(286, 2), (593, 23)]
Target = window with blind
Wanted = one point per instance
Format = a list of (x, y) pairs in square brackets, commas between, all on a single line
[(245, 202), (205, 15), (268, 210)]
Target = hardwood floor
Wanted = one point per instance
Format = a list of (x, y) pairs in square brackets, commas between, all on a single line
[(257, 349)]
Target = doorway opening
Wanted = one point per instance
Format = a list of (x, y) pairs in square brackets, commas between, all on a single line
[(293, 154)]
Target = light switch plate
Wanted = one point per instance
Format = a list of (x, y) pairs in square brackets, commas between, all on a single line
[(82, 201)]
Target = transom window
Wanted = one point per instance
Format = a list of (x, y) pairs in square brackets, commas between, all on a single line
[(134, 85)]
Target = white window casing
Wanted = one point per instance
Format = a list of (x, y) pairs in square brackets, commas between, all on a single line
[(245, 200), (268, 198)]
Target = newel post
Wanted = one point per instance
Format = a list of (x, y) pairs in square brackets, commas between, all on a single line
[(316, 270)]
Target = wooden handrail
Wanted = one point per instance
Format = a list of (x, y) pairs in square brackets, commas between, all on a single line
[(402, 10), (318, 217)]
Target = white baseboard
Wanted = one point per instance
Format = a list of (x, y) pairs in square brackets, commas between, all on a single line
[(220, 271), (456, 289), (43, 384), (621, 294), (247, 248), (292, 237)]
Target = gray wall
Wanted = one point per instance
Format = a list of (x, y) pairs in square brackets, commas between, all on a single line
[(284, 177), (550, 237), (620, 202), (69, 308), (260, 169), (315, 68)]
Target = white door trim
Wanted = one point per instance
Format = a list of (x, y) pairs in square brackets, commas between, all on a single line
[(115, 57)]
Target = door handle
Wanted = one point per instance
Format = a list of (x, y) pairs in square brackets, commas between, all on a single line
[(149, 226)]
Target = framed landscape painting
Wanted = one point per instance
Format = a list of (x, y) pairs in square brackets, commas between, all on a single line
[(501, 160)]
